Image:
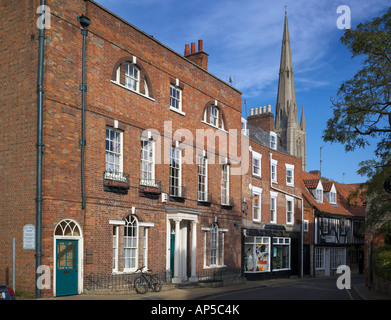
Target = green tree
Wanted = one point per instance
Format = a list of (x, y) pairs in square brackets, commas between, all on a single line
[(362, 110)]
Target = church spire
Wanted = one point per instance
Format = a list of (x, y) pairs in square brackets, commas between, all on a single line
[(286, 87), (292, 135)]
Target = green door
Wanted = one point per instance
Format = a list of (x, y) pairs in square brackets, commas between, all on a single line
[(66, 267)]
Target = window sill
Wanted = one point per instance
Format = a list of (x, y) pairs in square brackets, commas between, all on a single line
[(211, 125), (177, 111), (140, 94), (215, 266)]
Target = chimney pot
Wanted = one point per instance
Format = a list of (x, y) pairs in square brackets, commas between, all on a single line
[(269, 108), (187, 50), (251, 112), (192, 47), (264, 109), (200, 45)]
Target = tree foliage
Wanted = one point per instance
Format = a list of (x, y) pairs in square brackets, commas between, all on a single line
[(362, 109)]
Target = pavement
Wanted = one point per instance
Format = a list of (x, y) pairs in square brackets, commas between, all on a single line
[(197, 292)]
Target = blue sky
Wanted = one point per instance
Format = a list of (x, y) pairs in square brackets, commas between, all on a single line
[(243, 40)]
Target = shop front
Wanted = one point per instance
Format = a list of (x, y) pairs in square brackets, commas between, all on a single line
[(269, 253)]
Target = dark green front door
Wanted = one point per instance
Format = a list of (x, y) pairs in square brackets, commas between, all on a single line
[(66, 267)]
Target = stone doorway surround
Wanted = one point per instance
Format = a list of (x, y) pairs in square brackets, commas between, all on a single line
[(177, 222)]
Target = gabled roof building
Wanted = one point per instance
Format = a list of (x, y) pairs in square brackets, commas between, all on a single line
[(333, 225)]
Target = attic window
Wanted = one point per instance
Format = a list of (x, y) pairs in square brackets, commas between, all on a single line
[(129, 73), (333, 197), (273, 140), (214, 116), (318, 192)]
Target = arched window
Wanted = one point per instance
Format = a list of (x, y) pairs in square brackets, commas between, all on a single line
[(214, 116), (67, 228), (214, 244), (128, 72), (132, 77), (130, 243)]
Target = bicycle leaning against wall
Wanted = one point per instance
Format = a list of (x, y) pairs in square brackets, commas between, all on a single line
[(146, 280)]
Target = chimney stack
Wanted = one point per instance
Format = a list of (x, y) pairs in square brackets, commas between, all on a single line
[(187, 50), (200, 57), (262, 117)]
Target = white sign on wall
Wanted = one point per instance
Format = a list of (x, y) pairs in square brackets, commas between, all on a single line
[(29, 237)]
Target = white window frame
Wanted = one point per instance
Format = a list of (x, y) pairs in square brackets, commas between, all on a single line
[(273, 140), (244, 126), (115, 248), (318, 192), (218, 260), (305, 225), (252, 255), (176, 98), (225, 183), (132, 77), (280, 241), (290, 178), (147, 158), (291, 213), (131, 244), (202, 189), (114, 169), (332, 195), (257, 210), (214, 115), (320, 258), (175, 166), (273, 211), (256, 157), (273, 173), (214, 245)]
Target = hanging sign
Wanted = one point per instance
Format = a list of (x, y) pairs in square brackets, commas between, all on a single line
[(29, 237)]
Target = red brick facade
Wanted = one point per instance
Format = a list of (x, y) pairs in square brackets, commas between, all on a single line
[(109, 104)]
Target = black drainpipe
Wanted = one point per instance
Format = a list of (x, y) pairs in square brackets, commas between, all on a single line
[(84, 22), (40, 145)]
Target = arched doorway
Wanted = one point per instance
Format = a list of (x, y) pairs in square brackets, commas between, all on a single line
[(68, 252)]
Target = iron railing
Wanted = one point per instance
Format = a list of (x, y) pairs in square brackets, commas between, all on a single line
[(150, 186), (116, 181), (94, 282)]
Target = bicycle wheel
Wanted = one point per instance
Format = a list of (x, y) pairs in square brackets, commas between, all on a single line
[(141, 285), (156, 283)]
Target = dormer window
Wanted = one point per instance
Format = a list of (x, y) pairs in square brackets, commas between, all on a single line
[(318, 192), (244, 127), (331, 194), (273, 140)]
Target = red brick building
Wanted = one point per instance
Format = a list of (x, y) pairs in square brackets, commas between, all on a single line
[(157, 191), (272, 219)]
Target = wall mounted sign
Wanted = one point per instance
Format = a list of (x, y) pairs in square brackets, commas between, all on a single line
[(29, 237)]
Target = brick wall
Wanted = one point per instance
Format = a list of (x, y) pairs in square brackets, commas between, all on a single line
[(18, 78), (264, 182), (109, 40)]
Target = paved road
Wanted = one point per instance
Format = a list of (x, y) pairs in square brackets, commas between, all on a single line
[(307, 289)]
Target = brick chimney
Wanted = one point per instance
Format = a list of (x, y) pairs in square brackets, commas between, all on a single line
[(315, 173), (200, 57), (262, 117)]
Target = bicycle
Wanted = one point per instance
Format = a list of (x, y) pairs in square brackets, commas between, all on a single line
[(146, 280)]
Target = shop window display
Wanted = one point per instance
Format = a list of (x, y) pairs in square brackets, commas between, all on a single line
[(257, 254), (281, 253)]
